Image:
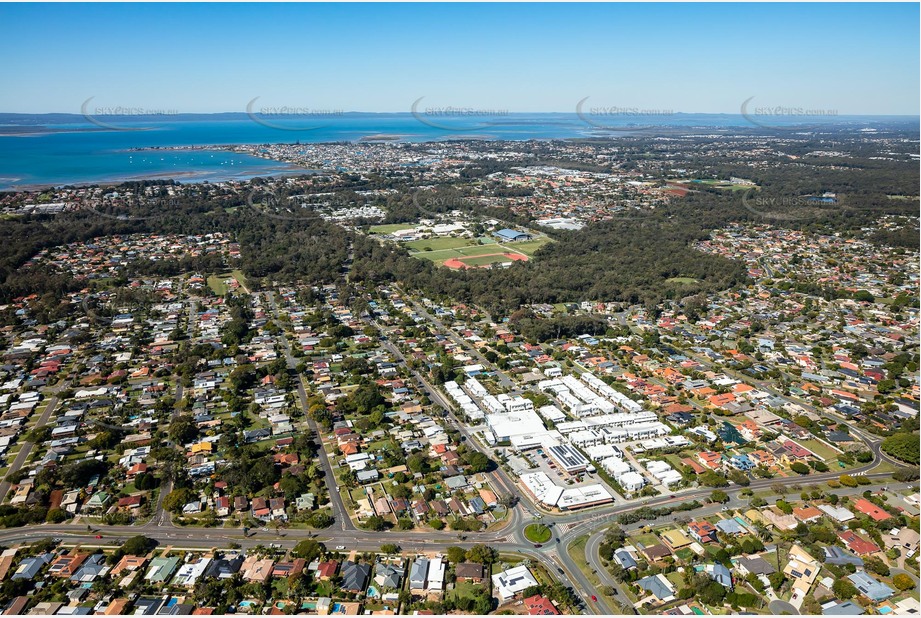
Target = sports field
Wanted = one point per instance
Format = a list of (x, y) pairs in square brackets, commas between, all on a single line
[(528, 247), (465, 254), (479, 261), (440, 243), (390, 228)]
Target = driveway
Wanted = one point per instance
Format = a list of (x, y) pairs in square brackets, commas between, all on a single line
[(782, 607)]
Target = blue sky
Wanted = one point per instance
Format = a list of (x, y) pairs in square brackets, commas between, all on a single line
[(849, 57)]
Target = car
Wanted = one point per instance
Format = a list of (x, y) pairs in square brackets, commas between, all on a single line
[(98, 536), (673, 496), (340, 547), (557, 539), (538, 544), (274, 545), (560, 570), (57, 540), (594, 598)]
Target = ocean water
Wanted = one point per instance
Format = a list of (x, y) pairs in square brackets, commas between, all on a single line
[(61, 149)]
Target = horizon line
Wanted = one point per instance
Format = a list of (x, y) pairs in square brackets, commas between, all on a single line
[(170, 113)]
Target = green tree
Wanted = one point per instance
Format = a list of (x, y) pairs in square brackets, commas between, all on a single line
[(139, 545), (309, 550), (844, 589), (903, 582)]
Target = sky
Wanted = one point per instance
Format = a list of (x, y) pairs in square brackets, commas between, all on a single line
[(849, 58)]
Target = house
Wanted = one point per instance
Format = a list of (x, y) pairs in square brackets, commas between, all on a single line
[(625, 559), (741, 462), (905, 539), (30, 567), (658, 586), (436, 574), (836, 555), (839, 514), (756, 565), (539, 605), (802, 569), (702, 531), (676, 539), (117, 607), (870, 587), (67, 565), (512, 581), (93, 567), (327, 570), (469, 572), (161, 569), (225, 568), (191, 572), (222, 506), (710, 460), (836, 608), (17, 606), (257, 569), (857, 544), (417, 574), (355, 576), (655, 553), (777, 519), (729, 526), (720, 574), (289, 569), (128, 565), (807, 514), (389, 576), (871, 510)]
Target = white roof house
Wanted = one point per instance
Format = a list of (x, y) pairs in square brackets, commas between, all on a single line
[(512, 581)]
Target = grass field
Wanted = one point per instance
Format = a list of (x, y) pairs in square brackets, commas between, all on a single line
[(528, 247), (648, 539), (391, 228), (478, 252), (217, 285), (820, 449), (436, 244), (466, 589), (537, 533)]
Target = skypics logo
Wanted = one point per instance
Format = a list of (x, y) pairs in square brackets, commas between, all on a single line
[(265, 202), (305, 118), (620, 119), (784, 117), (114, 118), (460, 119), (779, 208)]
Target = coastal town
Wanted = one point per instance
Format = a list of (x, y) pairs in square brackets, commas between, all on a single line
[(179, 436)]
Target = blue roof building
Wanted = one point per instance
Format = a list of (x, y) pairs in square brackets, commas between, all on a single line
[(838, 555), (741, 462), (512, 235), (729, 526), (624, 558), (720, 574), (848, 608), (658, 586), (870, 587)]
